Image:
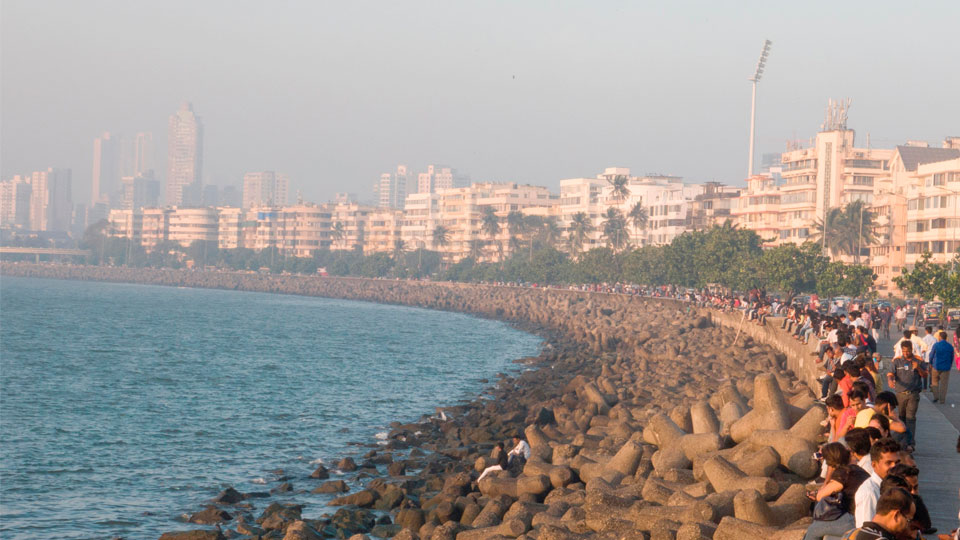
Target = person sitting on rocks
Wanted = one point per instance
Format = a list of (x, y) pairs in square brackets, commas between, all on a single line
[(835, 408), (518, 457), (846, 479), (886, 405), (859, 443), (500, 454)]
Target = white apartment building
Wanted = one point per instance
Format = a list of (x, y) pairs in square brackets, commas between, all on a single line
[(666, 199), (933, 212), (304, 229), (188, 225), (126, 224), (420, 215), (229, 227), (155, 227), (383, 230)]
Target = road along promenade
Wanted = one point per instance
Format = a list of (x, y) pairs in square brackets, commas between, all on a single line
[(646, 418)]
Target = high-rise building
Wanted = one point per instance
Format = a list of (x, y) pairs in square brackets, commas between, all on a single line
[(51, 207), (265, 188), (143, 153), (391, 190), (15, 202), (438, 177), (140, 191), (184, 157), (230, 196), (107, 169)]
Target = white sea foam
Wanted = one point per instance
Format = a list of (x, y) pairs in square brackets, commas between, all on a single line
[(259, 481), (317, 461), (381, 435)]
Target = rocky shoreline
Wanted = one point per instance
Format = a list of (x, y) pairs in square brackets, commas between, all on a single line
[(644, 418)]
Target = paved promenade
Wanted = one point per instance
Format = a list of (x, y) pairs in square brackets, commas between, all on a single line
[(936, 452)]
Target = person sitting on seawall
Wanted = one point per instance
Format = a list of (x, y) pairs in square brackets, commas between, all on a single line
[(893, 519), (845, 480), (911, 476), (884, 455), (500, 454), (518, 457)]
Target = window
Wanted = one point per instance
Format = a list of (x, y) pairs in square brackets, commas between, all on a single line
[(866, 163), (863, 180), (938, 223)]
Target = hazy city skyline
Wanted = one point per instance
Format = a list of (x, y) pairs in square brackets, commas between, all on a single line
[(336, 95)]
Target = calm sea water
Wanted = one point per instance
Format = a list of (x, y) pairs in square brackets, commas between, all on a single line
[(123, 407)]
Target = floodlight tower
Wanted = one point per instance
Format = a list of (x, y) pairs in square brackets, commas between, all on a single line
[(753, 101)]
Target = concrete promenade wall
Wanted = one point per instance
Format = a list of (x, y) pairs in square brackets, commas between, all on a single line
[(799, 360)]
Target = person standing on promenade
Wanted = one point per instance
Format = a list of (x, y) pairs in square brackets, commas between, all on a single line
[(942, 355), (928, 341), (885, 317), (907, 381)]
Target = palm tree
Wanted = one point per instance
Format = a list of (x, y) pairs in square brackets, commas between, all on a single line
[(338, 233), (580, 228), (531, 227), (515, 226), (860, 223), (476, 249), (490, 224), (399, 248), (550, 232), (615, 228), (441, 237), (848, 229), (620, 189), (638, 216)]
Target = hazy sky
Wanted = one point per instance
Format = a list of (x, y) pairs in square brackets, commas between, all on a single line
[(334, 93)]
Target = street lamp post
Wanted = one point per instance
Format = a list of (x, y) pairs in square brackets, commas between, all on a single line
[(753, 100)]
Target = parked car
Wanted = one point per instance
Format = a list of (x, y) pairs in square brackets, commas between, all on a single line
[(931, 313), (953, 319)]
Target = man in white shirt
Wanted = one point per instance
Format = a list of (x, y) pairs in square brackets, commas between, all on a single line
[(919, 347), (884, 455), (520, 453)]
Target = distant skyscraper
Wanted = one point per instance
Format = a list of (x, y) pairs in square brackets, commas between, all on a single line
[(230, 196), (15, 202), (265, 188), (210, 195), (143, 153), (51, 208), (106, 169), (141, 191), (391, 191), (184, 157), (439, 177)]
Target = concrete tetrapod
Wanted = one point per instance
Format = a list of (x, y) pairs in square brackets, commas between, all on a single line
[(796, 453), (749, 506), (703, 418), (560, 475), (724, 476), (731, 528), (770, 410)]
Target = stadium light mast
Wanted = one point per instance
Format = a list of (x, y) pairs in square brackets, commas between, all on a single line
[(753, 100)]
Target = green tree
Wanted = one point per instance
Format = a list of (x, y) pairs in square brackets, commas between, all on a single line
[(476, 249), (791, 269), (620, 189), (441, 237), (490, 224), (338, 234), (638, 216), (924, 280), (615, 229), (580, 228)]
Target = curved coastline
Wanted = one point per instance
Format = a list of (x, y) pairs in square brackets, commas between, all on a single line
[(641, 414)]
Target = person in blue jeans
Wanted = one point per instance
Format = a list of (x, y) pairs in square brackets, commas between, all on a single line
[(942, 354)]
